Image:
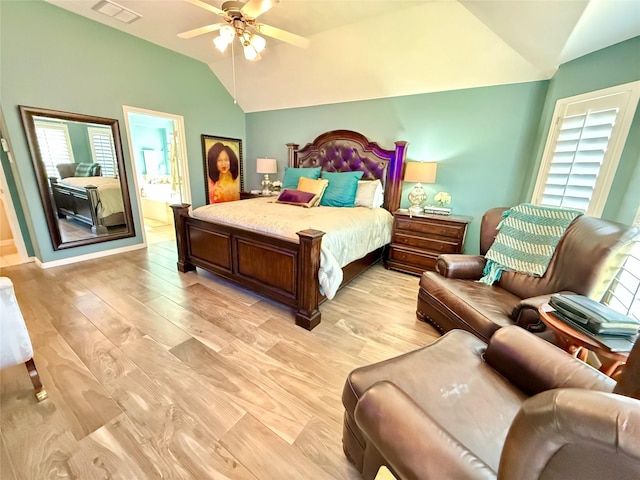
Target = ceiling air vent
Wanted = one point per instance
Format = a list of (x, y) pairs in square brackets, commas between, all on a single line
[(112, 9)]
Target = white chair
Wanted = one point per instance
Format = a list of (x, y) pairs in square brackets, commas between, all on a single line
[(15, 343)]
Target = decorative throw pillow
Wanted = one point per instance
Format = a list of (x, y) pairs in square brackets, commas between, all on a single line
[(369, 194), (292, 176), (296, 197), (316, 187), (342, 188), (86, 169)]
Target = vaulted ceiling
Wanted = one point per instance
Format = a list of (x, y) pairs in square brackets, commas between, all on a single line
[(374, 49)]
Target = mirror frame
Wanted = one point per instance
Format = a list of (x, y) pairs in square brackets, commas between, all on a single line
[(28, 115)]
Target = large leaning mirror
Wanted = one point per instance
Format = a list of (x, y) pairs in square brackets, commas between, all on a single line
[(80, 172)]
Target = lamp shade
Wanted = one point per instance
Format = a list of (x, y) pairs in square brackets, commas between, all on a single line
[(266, 165), (423, 172)]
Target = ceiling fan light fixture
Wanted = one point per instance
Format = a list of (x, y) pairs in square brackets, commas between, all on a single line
[(221, 43), (258, 42), (250, 53), (227, 32)]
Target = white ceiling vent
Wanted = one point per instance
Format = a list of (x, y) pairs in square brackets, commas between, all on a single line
[(112, 9)]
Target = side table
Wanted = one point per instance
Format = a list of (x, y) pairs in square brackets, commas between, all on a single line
[(578, 344), (417, 240), (246, 195)]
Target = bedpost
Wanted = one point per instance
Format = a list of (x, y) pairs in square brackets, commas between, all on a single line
[(292, 154), (308, 314), (179, 212), (97, 228), (395, 176)]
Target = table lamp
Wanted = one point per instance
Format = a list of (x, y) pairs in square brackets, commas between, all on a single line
[(266, 166), (419, 172)]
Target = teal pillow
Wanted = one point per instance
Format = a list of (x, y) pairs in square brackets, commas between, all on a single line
[(292, 175), (342, 188), (86, 169)]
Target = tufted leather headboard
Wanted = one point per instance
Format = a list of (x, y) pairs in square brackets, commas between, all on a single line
[(347, 151)]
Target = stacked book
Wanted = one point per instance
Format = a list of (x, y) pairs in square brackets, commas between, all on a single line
[(611, 328)]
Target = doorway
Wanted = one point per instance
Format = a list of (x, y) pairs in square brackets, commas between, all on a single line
[(12, 247), (158, 153)]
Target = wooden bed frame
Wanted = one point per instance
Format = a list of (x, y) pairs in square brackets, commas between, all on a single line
[(82, 204), (283, 270)]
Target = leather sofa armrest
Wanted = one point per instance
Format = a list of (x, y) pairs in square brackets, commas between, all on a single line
[(464, 267), (525, 313), (535, 365), (415, 446), (556, 429)]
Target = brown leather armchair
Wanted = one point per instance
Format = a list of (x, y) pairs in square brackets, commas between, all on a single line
[(451, 297), (517, 409)]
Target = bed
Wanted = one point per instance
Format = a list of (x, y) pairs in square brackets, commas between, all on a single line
[(94, 201), (276, 265)]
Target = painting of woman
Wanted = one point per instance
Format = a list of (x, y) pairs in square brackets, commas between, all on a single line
[(223, 173)]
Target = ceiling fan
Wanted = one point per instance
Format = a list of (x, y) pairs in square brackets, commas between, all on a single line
[(240, 21)]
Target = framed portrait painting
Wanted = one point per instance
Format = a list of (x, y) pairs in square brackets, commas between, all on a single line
[(222, 159)]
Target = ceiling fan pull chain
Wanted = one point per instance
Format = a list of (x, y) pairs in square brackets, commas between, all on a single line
[(233, 73)]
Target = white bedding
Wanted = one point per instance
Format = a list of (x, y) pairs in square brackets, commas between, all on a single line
[(108, 191), (350, 233)]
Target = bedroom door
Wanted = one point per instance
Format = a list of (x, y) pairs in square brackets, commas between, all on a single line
[(158, 154)]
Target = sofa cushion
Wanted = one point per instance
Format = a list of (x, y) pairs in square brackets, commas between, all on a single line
[(477, 307)]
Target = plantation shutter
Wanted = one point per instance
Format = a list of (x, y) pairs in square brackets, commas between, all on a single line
[(623, 294), (54, 145), (102, 149), (579, 153), (585, 142)]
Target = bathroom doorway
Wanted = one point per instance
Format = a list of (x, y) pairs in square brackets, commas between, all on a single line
[(158, 155)]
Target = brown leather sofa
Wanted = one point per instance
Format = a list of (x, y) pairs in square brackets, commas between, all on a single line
[(517, 409), (451, 297)]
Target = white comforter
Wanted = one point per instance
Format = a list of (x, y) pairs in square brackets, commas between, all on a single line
[(108, 191), (350, 233)]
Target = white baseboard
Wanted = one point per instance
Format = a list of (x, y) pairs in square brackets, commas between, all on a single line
[(89, 256)]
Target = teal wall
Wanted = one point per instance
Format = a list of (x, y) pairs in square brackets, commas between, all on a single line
[(605, 68), (488, 141), (482, 139), (44, 65)]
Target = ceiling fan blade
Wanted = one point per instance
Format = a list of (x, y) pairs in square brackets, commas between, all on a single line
[(199, 31), (206, 6), (288, 37), (253, 8)]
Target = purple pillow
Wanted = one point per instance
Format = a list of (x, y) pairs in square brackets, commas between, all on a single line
[(296, 197)]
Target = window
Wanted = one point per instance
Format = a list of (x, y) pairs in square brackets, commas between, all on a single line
[(583, 148), (54, 144), (101, 140), (623, 294)]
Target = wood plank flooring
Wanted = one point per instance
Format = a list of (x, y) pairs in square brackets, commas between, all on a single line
[(153, 373)]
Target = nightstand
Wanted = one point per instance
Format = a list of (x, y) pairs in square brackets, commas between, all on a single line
[(417, 240), (246, 195)]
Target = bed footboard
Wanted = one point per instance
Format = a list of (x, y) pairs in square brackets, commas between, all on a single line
[(282, 270), (78, 203)]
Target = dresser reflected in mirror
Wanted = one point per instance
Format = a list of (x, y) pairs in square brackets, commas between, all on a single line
[(79, 168)]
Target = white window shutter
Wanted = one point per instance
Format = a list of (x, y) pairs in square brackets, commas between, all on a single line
[(54, 145), (101, 140), (623, 295), (583, 148)]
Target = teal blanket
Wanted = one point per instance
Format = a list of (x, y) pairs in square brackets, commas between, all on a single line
[(527, 237)]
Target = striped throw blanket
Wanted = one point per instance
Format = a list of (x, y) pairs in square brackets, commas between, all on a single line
[(527, 237)]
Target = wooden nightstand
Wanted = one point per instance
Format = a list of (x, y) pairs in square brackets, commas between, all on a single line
[(245, 195), (417, 240)]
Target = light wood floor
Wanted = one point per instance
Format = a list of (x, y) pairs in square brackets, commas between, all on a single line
[(156, 374)]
